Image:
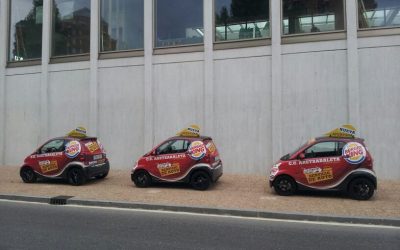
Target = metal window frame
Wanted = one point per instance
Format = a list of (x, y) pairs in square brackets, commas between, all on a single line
[(63, 58), (23, 63), (240, 43), (315, 36), (117, 53), (184, 48), (375, 31)]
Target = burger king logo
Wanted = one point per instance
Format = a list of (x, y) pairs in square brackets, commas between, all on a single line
[(72, 149), (354, 153), (197, 150)]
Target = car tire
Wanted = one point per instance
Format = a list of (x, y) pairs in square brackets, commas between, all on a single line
[(76, 177), (102, 176), (200, 180), (27, 175), (361, 189), (284, 185), (141, 179)]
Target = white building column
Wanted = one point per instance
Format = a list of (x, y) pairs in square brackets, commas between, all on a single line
[(352, 64), (44, 83), (148, 76), (276, 91), (208, 118), (3, 63), (94, 51)]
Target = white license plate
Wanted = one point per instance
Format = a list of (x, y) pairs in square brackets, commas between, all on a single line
[(97, 157)]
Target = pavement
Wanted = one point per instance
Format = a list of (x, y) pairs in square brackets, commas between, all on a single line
[(233, 194)]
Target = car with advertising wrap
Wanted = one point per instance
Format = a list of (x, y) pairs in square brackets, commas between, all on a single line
[(75, 157), (338, 161), (187, 157)]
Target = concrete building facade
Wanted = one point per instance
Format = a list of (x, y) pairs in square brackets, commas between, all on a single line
[(258, 100)]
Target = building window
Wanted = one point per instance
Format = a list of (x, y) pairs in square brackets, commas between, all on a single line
[(25, 37), (378, 13), (178, 22), (121, 25), (305, 16), (71, 27), (241, 19)]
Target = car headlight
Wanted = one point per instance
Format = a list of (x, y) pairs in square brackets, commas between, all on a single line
[(274, 169)]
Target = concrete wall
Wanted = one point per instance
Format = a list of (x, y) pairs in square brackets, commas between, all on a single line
[(257, 103)]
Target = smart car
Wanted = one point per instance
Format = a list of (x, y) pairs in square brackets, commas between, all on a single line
[(337, 161), (74, 157), (188, 158)]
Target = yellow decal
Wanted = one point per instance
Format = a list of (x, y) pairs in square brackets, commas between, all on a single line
[(79, 132), (314, 175), (345, 131), (211, 147), (168, 168), (191, 131), (92, 146), (48, 166)]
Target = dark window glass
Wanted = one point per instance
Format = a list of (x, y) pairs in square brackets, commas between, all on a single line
[(305, 16), (172, 147), (241, 19), (324, 149), (53, 146), (121, 25), (178, 22), (25, 30), (71, 27), (378, 13)]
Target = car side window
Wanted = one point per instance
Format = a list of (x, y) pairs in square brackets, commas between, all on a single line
[(172, 147), (57, 145), (324, 149)]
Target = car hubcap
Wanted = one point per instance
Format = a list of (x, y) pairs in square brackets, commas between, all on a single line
[(142, 179), (75, 176), (200, 181), (28, 175), (362, 189), (284, 185)]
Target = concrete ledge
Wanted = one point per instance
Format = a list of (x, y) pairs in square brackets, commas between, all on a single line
[(215, 211)]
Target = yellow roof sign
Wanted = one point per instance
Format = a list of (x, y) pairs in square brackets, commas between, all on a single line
[(79, 132), (345, 131), (191, 131)]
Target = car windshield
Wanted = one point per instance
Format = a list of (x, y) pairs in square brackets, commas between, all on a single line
[(288, 156)]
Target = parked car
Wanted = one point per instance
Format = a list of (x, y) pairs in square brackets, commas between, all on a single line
[(188, 158), (337, 161), (74, 157)]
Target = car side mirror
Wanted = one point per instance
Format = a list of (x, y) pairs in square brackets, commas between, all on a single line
[(302, 156)]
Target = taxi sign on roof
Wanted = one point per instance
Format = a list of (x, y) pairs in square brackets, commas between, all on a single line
[(345, 131), (191, 131), (79, 132)]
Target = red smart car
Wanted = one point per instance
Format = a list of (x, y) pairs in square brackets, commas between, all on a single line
[(74, 157), (188, 158), (338, 161)]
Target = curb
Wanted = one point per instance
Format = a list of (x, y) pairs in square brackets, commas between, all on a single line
[(214, 211)]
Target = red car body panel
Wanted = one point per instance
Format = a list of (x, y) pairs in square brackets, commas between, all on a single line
[(175, 167), (325, 172)]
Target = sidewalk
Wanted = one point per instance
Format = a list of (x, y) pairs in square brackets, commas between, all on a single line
[(232, 191)]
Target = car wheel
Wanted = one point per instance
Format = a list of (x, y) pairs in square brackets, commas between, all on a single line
[(102, 176), (76, 176), (361, 189), (141, 179), (27, 175), (284, 185), (200, 180)]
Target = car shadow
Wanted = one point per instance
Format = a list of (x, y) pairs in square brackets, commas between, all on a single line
[(92, 181), (322, 194)]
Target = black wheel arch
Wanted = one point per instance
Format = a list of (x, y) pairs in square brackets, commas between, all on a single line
[(196, 169), (361, 174), (285, 175)]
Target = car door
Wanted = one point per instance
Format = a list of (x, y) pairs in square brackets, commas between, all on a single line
[(50, 160), (323, 165), (171, 162)]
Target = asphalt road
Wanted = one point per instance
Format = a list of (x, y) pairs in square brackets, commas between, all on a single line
[(42, 226)]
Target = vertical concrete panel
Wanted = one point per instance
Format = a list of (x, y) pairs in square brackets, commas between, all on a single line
[(22, 117), (314, 95), (68, 101), (380, 102), (178, 97), (242, 117), (121, 107)]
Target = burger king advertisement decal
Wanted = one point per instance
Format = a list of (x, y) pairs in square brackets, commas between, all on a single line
[(354, 153), (72, 149), (197, 150)]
